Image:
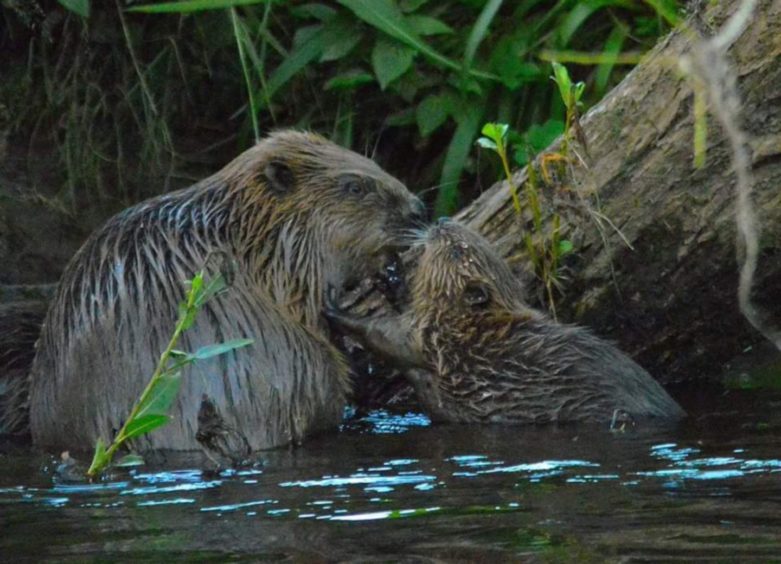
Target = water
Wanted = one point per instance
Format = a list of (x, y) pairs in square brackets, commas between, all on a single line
[(395, 488)]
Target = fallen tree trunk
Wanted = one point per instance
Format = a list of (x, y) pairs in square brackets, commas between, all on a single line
[(669, 300)]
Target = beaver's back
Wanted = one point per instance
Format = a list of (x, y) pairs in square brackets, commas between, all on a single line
[(114, 313), (535, 370)]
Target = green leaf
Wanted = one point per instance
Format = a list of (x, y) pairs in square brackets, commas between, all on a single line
[(99, 459), (195, 284), (320, 12), (479, 31), (349, 80), (431, 113), (539, 137), (562, 80), (667, 9), (486, 143), (340, 36), (401, 118), (301, 55), (390, 59), (221, 348), (144, 424), (161, 395), (186, 6), (581, 11), (577, 91), (187, 317), (385, 16), (565, 247), (469, 118), (129, 461), (80, 7), (213, 287), (495, 131), (426, 25), (411, 5)]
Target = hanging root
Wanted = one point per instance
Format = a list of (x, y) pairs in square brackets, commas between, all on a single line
[(710, 68)]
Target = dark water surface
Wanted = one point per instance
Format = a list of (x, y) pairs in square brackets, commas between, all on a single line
[(394, 488)]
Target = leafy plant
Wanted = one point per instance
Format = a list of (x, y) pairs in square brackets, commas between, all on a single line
[(151, 410), (426, 75), (544, 251), (571, 94)]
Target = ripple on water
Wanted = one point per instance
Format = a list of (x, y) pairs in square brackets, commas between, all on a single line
[(659, 497)]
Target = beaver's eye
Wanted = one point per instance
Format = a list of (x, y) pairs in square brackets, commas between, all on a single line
[(354, 185), (476, 294)]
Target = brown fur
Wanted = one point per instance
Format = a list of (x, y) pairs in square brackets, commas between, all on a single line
[(296, 213), (20, 325), (476, 352)]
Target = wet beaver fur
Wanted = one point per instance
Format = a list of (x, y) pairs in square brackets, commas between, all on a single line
[(20, 326), (295, 214), (475, 352)]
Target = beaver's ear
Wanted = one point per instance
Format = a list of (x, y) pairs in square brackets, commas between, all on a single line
[(279, 178)]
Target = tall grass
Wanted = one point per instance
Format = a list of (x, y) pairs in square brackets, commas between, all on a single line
[(425, 75)]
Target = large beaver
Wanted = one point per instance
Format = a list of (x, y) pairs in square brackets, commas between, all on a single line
[(295, 213), (20, 325), (475, 352)]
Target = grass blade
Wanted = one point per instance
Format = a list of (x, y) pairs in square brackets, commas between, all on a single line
[(240, 34), (188, 6), (457, 153), (479, 31), (80, 7), (306, 52)]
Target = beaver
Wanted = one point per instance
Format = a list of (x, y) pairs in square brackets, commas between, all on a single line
[(475, 352), (20, 325), (295, 214)]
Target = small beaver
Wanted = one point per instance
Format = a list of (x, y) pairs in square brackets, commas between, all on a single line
[(295, 214), (475, 352)]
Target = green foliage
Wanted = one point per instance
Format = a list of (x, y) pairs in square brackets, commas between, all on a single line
[(570, 93), (543, 246), (151, 410), (187, 6), (80, 7), (425, 74)]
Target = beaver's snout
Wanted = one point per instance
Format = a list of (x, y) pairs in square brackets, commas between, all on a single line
[(445, 230)]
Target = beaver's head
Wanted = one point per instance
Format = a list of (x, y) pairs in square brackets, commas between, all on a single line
[(458, 270), (330, 194)]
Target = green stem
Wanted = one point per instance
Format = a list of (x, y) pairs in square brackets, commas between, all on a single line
[(161, 368), (502, 150)]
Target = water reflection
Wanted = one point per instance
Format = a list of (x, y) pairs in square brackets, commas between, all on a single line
[(425, 492)]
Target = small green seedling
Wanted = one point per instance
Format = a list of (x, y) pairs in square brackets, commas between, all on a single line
[(495, 139), (544, 253), (151, 410), (570, 95)]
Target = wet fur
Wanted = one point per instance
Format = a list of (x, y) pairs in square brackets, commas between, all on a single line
[(20, 326), (478, 353), (280, 212)]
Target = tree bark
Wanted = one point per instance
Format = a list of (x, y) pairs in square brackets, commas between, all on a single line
[(669, 300)]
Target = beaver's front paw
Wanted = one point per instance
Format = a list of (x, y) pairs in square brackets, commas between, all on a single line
[(334, 312)]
